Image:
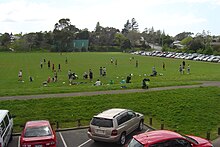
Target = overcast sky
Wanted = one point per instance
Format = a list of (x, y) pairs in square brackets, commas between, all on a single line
[(172, 16)]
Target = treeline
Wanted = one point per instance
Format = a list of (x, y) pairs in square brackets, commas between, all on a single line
[(106, 39)]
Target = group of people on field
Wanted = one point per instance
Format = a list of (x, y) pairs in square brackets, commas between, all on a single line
[(183, 67), (102, 72)]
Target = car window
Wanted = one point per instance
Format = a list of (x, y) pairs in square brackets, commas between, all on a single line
[(2, 126), (6, 120), (122, 118), (131, 114), (181, 143), (173, 143), (37, 131), (102, 122), (162, 144), (135, 143)]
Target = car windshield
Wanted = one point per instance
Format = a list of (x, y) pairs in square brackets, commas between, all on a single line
[(37, 131), (102, 122), (135, 143), (190, 139)]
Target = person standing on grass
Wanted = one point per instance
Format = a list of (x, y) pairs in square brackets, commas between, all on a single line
[(184, 63), (66, 60), (53, 67), (55, 76), (164, 67), (181, 69), (41, 64), (104, 71), (116, 62), (188, 69), (20, 75), (100, 71), (48, 64), (136, 63), (59, 67), (90, 74)]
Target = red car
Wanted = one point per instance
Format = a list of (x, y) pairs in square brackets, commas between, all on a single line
[(164, 138), (38, 134)]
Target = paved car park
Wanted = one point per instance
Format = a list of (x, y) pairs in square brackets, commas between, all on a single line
[(76, 138)]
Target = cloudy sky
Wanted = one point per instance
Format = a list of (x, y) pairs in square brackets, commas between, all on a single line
[(172, 16)]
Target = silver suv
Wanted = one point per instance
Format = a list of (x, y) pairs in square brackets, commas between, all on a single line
[(114, 124)]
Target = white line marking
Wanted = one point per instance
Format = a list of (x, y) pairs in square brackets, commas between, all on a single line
[(19, 141), (64, 143), (85, 143)]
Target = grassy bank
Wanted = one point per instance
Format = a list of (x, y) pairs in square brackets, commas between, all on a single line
[(189, 111)]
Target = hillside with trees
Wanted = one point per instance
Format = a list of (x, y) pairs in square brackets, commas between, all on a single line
[(109, 39)]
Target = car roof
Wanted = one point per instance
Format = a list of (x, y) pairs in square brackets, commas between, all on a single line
[(110, 113), (153, 137), (37, 123), (2, 114)]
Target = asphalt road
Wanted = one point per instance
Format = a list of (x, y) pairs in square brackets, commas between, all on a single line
[(77, 138)]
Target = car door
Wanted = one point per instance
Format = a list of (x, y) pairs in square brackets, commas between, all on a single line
[(132, 121)]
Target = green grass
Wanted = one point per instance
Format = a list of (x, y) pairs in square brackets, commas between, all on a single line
[(189, 111), (11, 63)]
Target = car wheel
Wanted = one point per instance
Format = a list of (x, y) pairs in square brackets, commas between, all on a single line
[(122, 139), (141, 125)]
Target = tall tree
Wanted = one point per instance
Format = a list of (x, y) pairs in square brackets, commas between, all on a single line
[(134, 24)]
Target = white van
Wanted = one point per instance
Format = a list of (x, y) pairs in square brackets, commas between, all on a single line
[(6, 127)]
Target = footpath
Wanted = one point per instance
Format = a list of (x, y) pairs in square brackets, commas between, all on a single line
[(122, 91)]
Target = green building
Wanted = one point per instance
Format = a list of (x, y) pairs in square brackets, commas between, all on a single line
[(80, 45)]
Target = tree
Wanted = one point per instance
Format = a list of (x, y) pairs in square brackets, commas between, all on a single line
[(183, 35), (64, 34), (134, 25), (127, 27)]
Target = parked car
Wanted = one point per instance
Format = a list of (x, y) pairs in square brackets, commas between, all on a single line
[(164, 138), (6, 127), (38, 134), (114, 125)]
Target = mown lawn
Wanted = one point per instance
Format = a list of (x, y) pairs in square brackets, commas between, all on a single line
[(189, 111), (11, 63)]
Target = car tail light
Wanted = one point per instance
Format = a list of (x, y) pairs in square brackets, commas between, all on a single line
[(50, 143), (114, 133), (24, 145), (0, 145), (89, 129)]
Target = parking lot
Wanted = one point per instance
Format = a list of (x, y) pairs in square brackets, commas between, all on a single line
[(76, 138)]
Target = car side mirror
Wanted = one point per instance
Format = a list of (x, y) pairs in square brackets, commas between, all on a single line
[(137, 115)]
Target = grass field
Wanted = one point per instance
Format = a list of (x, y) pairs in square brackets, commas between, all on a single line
[(11, 63), (191, 111)]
